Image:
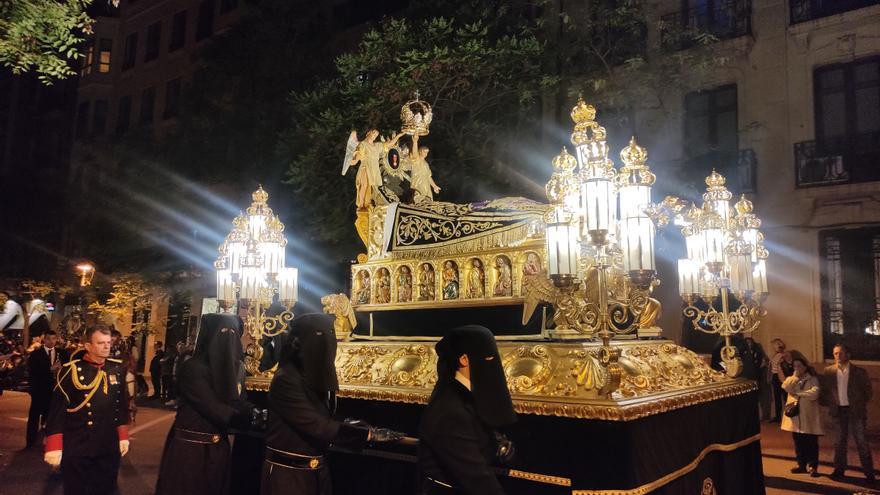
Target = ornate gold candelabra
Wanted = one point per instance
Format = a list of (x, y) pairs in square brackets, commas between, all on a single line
[(600, 231), (251, 271), (726, 257)]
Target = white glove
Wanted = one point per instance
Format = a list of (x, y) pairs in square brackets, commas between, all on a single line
[(123, 448), (53, 458)]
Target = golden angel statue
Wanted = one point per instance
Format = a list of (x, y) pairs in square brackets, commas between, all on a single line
[(369, 153), (422, 181)]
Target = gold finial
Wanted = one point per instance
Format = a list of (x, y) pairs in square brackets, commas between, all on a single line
[(240, 222), (634, 155), (715, 180), (693, 213), (744, 206), (260, 196), (583, 112), (564, 161)]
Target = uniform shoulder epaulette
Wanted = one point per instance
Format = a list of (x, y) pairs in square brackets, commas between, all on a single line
[(114, 360)]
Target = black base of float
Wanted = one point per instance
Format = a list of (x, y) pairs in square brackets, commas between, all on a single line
[(503, 319), (677, 452)]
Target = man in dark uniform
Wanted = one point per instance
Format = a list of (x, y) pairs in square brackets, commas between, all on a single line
[(43, 365), (302, 399), (88, 419), (457, 433), (211, 400)]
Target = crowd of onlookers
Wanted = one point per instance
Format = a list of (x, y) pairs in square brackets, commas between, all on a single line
[(797, 391)]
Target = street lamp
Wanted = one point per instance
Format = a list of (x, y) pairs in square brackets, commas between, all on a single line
[(86, 273), (725, 257), (251, 270)]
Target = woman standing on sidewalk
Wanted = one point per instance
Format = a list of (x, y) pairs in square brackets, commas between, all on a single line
[(803, 394)]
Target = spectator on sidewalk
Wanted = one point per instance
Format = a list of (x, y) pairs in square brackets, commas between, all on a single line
[(759, 357), (847, 392), (167, 365), (780, 369), (802, 389), (156, 371)]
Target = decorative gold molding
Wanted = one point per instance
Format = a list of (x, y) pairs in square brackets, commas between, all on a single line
[(649, 487), (562, 379), (539, 478)]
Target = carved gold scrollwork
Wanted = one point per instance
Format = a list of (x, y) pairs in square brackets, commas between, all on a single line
[(411, 366), (528, 369)]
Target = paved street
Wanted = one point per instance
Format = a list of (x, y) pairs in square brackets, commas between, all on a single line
[(23, 472)]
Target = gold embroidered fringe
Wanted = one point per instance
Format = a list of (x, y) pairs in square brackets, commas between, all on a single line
[(506, 238)]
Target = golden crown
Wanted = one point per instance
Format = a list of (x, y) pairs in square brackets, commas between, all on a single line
[(416, 115)]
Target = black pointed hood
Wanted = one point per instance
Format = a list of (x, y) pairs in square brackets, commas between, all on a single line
[(219, 346), (311, 347), (488, 384)]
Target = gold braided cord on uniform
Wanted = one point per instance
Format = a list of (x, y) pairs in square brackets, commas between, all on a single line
[(93, 387)]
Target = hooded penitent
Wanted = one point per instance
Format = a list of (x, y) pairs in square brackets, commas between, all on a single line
[(311, 347), (488, 385), (219, 346)]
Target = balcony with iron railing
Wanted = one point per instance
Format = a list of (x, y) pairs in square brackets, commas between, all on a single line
[(842, 160), (808, 10), (722, 19)]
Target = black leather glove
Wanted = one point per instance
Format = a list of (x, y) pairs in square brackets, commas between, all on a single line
[(384, 435), (259, 419), (505, 449), (246, 416)]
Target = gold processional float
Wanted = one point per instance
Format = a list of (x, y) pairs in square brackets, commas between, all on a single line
[(588, 256)]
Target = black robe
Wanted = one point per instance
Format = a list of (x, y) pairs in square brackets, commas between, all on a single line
[(456, 448), (301, 422), (190, 468)]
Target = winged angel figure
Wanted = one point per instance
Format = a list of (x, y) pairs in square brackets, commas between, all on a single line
[(357, 151)]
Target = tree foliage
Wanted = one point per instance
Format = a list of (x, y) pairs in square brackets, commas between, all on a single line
[(43, 36), (130, 296), (483, 79)]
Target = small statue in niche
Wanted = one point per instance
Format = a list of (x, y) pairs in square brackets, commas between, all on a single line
[(426, 282), (362, 293), (533, 264), (404, 284), (383, 286), (450, 280), (504, 282), (476, 280)]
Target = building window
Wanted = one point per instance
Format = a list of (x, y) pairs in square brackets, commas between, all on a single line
[(178, 31), (722, 19), (172, 99), (89, 58), (807, 10), (227, 5), (105, 49), (154, 35), (130, 53), (847, 110), (123, 117), (711, 139), (82, 120), (99, 122), (205, 26), (850, 278), (148, 104), (710, 121)]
